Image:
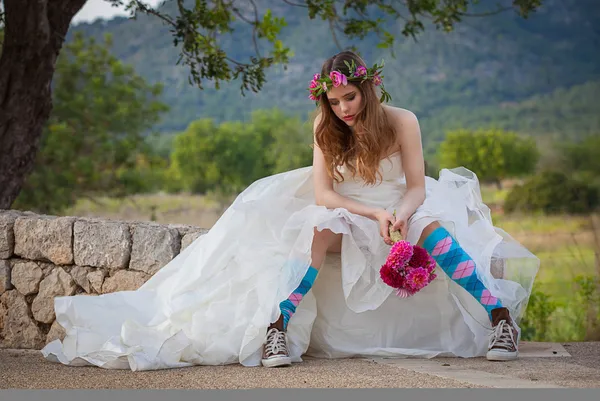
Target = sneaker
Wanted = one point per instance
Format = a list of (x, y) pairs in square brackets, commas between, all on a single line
[(504, 338), (275, 351)]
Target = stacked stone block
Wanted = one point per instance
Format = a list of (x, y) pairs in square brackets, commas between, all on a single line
[(42, 257)]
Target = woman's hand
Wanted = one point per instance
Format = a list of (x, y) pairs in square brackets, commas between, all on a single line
[(401, 224), (385, 219)]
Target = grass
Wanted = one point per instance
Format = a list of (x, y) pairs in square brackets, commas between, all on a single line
[(541, 225), (560, 267), (492, 195), (201, 211)]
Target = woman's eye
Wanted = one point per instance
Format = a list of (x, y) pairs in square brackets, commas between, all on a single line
[(348, 99)]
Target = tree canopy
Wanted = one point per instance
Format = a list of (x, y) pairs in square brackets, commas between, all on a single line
[(226, 158), (491, 154), (93, 141)]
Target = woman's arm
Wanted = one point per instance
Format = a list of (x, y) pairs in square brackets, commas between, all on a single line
[(409, 138), (326, 196)]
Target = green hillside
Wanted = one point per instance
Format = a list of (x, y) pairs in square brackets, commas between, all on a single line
[(563, 114), (538, 76)]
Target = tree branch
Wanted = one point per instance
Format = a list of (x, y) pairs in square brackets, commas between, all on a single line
[(237, 12), (159, 15), (255, 28), (254, 25), (295, 4), (332, 29), (180, 7), (237, 62), (486, 14)]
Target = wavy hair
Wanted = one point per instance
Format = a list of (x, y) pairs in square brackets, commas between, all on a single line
[(360, 150)]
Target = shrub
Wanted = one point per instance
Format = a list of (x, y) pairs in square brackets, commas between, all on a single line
[(536, 323), (552, 192)]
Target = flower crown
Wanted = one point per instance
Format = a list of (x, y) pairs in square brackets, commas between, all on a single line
[(319, 85)]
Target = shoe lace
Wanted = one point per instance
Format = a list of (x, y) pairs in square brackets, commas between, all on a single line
[(502, 336), (275, 342)]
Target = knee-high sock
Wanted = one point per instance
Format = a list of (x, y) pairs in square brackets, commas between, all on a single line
[(459, 266), (288, 307)]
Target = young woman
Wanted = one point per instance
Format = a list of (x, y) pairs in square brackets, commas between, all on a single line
[(247, 292)]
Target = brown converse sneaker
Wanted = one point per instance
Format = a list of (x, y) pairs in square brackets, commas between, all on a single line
[(275, 351), (504, 338)]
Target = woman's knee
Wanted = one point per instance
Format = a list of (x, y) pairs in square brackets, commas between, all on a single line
[(326, 238), (325, 235), (431, 227)]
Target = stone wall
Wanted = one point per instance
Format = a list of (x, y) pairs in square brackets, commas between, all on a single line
[(46, 256)]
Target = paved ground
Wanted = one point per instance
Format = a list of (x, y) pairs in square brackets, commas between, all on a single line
[(541, 365)]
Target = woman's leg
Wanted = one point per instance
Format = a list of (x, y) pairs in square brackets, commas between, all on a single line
[(323, 242), (275, 351), (460, 267)]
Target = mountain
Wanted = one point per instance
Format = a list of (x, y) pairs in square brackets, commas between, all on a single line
[(538, 76)]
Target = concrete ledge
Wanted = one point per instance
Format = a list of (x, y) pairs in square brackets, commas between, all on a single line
[(529, 349), (478, 378)]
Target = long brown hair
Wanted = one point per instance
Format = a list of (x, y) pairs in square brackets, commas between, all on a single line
[(373, 135)]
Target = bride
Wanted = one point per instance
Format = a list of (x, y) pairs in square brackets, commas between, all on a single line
[(292, 266)]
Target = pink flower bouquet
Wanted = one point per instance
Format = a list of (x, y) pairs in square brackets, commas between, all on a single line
[(408, 269)]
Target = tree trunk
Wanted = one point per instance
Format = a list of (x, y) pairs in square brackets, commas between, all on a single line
[(498, 182), (34, 33)]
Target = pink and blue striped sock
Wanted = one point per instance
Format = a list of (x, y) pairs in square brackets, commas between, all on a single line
[(459, 266), (288, 307)]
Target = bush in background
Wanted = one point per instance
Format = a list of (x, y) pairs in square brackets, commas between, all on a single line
[(552, 192)]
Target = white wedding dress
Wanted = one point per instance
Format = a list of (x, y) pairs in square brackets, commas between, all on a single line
[(213, 302)]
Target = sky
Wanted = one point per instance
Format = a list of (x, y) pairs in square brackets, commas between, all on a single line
[(95, 9)]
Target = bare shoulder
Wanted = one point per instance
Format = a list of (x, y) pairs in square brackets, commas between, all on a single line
[(405, 123), (400, 117)]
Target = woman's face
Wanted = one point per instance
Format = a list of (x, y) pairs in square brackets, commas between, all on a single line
[(345, 102)]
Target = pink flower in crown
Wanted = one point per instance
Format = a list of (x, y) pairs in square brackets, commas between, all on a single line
[(337, 78), (313, 84), (361, 71), (417, 278), (324, 86), (313, 97), (316, 77), (377, 80)]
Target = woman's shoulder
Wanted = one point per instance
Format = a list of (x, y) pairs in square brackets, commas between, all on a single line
[(399, 115), (405, 125)]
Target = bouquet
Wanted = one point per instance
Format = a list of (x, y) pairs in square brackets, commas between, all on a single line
[(407, 268)]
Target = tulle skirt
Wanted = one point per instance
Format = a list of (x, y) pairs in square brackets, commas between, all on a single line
[(213, 302)]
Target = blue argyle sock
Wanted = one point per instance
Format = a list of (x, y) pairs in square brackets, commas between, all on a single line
[(288, 307), (459, 266)]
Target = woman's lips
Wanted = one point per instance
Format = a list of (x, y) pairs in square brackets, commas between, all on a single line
[(348, 118)]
